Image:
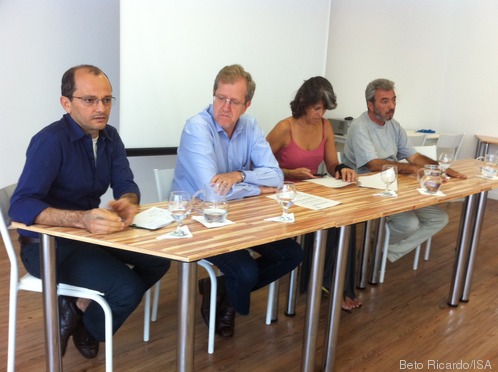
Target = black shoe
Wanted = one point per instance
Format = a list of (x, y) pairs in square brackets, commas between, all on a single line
[(225, 321), (86, 344), (69, 318)]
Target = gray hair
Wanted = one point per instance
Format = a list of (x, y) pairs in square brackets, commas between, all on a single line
[(382, 84)]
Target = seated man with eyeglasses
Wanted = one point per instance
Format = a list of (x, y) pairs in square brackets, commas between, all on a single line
[(70, 164), (222, 145)]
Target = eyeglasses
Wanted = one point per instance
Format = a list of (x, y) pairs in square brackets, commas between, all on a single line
[(231, 102), (93, 101)]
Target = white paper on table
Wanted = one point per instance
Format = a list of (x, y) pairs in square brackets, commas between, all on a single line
[(152, 219), (375, 182), (329, 182), (311, 201), (170, 235), (494, 178), (279, 218), (210, 225)]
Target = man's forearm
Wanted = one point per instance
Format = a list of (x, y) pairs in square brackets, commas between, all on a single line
[(60, 217)]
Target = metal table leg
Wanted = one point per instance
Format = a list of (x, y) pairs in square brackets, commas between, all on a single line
[(481, 207), (365, 253), (379, 244), (336, 298), (313, 302), (50, 303), (187, 275), (468, 211)]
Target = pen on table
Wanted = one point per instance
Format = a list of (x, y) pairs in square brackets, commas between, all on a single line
[(320, 174)]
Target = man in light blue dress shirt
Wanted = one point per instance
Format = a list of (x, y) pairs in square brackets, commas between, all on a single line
[(222, 145)]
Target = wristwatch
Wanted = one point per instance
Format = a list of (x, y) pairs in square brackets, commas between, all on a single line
[(243, 175)]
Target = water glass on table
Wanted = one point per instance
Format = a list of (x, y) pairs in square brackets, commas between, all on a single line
[(388, 175), (286, 196), (180, 205)]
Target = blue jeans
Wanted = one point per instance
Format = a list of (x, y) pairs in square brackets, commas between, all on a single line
[(105, 270), (244, 274)]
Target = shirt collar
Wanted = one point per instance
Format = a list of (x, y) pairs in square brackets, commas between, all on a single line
[(76, 133)]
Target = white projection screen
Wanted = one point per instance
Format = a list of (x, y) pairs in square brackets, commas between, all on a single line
[(171, 52)]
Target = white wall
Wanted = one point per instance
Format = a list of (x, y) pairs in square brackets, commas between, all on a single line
[(441, 54), (39, 40), (171, 52)]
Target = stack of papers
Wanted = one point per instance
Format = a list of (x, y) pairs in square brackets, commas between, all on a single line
[(152, 219), (311, 201), (375, 182), (329, 182)]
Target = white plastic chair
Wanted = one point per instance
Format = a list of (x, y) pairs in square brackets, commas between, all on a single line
[(449, 142), (163, 179), (30, 283), (429, 151), (387, 234), (417, 139)]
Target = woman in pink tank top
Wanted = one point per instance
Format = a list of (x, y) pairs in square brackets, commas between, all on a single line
[(300, 143)]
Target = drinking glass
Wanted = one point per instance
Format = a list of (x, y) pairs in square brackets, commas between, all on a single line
[(179, 205), (286, 196), (445, 160), (388, 175)]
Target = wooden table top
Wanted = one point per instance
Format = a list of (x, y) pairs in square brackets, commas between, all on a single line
[(487, 139), (358, 204)]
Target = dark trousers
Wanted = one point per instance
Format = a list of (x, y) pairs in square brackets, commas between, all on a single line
[(105, 270), (244, 274), (330, 257)]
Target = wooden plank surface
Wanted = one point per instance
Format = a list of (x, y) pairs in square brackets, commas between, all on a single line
[(358, 204)]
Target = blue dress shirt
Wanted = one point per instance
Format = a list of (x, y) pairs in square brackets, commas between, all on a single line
[(205, 150), (61, 171)]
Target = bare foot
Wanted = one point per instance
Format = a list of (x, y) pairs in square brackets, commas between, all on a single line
[(350, 303)]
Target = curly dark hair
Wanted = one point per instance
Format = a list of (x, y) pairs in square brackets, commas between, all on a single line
[(312, 91)]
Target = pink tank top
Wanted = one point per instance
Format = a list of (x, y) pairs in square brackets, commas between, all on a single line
[(292, 156)]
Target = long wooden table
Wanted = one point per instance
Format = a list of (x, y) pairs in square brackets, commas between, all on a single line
[(357, 205)]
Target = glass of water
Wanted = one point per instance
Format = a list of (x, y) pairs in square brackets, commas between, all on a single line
[(180, 205), (286, 196), (388, 175)]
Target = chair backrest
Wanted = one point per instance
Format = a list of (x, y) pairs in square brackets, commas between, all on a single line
[(429, 151), (164, 179), (449, 143), (5, 195), (417, 139)]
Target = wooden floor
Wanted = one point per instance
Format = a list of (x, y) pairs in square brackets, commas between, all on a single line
[(404, 319)]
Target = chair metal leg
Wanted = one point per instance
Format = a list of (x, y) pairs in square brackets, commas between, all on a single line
[(384, 252), (417, 255), (155, 304), (212, 306), (147, 316), (292, 293), (11, 348), (272, 303), (427, 248)]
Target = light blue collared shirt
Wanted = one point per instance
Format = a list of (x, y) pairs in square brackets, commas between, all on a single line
[(205, 150)]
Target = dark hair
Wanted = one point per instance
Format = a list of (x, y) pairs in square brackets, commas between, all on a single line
[(312, 91), (68, 85), (232, 73)]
